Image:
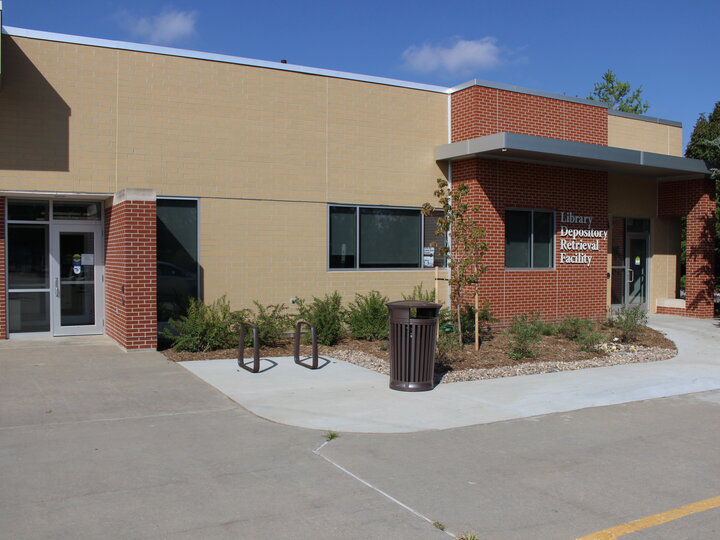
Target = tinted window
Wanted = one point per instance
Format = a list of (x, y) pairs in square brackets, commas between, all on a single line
[(177, 252), (28, 210), (389, 238), (529, 239), (343, 222)]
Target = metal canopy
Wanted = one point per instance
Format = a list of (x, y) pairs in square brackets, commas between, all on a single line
[(529, 148)]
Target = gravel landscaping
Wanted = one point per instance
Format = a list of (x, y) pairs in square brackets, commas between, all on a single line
[(553, 354), (623, 354)]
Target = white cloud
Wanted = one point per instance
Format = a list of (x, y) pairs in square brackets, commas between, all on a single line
[(462, 57), (167, 28)]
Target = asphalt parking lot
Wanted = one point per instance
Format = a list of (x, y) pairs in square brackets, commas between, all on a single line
[(97, 443)]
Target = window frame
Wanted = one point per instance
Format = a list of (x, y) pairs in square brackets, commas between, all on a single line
[(200, 282), (553, 227), (357, 267)]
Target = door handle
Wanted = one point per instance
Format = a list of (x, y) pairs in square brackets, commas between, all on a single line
[(57, 287), (631, 275)]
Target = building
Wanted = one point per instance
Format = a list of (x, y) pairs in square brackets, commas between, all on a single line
[(133, 176)]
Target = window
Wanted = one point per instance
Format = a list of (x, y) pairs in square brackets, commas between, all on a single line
[(529, 239), (177, 257), (76, 210), (28, 210), (379, 237)]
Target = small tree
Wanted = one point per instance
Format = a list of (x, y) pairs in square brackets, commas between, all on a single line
[(618, 95), (705, 140), (705, 144), (466, 238)]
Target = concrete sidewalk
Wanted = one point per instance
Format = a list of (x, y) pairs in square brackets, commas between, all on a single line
[(347, 398)]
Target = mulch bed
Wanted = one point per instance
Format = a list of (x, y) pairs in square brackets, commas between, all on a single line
[(493, 352)]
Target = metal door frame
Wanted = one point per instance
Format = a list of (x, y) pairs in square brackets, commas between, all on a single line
[(96, 228)]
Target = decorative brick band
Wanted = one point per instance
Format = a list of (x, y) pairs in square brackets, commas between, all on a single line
[(131, 273), (479, 110)]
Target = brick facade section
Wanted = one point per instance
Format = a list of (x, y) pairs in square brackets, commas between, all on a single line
[(568, 289), (3, 273), (694, 199), (131, 274), (478, 111)]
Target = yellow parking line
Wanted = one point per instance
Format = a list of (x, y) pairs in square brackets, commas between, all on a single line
[(652, 521)]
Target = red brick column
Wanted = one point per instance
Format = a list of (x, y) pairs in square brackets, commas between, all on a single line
[(696, 200), (3, 273), (131, 270)]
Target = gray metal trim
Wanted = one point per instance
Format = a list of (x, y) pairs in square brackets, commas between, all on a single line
[(530, 91), (169, 51), (645, 118), (543, 149)]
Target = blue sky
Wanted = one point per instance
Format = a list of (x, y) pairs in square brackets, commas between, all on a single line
[(667, 47)]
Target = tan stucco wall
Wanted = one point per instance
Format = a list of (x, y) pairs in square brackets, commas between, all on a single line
[(637, 198), (242, 139), (666, 254), (267, 263), (638, 134)]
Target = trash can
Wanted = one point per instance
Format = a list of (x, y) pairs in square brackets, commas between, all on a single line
[(412, 344)]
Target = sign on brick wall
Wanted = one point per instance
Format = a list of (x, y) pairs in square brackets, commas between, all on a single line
[(578, 240)]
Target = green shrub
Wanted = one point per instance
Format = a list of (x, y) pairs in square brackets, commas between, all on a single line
[(447, 345), (545, 328), (573, 327), (467, 323), (204, 327), (272, 323), (367, 316), (467, 319), (630, 322), (589, 341), (327, 316), (523, 335), (418, 293)]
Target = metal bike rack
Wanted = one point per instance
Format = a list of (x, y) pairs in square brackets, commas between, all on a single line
[(256, 349), (313, 333)]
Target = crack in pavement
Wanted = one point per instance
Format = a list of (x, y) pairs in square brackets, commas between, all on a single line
[(378, 490)]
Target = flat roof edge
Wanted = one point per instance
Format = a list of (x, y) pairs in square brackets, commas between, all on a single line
[(645, 118), (570, 149), (227, 59), (529, 91)]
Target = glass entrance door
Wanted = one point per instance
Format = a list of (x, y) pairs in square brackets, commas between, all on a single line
[(637, 270), (629, 274), (76, 280)]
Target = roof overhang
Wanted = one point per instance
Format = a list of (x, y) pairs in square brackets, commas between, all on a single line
[(529, 148)]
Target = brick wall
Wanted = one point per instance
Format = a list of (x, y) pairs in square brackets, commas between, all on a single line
[(569, 289), (695, 200), (131, 274), (479, 111), (3, 273)]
